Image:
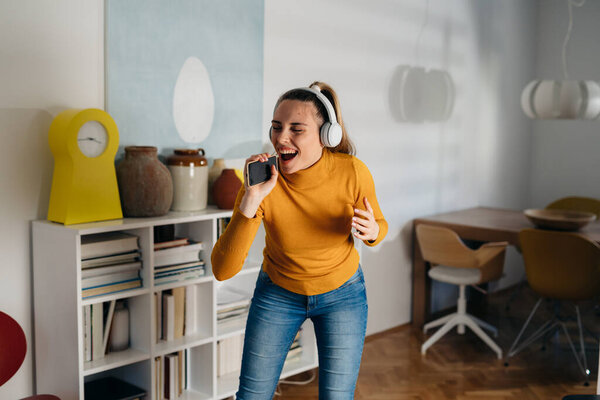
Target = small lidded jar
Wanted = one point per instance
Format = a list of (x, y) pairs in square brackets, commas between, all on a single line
[(189, 170)]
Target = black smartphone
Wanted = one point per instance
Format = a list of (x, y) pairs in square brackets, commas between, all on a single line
[(259, 172)]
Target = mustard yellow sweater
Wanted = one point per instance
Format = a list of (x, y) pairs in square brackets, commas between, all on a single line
[(307, 217)]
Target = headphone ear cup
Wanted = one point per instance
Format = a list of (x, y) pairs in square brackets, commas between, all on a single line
[(331, 134), (325, 134)]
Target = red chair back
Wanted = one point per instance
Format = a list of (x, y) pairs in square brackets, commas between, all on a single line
[(13, 347)]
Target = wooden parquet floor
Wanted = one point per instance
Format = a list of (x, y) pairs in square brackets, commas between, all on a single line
[(463, 367)]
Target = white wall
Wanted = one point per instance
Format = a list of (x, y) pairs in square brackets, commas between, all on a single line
[(565, 154), (51, 58), (479, 157)]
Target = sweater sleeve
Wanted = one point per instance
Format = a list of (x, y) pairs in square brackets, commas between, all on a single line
[(366, 188), (232, 247)]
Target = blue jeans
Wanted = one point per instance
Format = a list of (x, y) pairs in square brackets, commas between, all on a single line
[(340, 321)]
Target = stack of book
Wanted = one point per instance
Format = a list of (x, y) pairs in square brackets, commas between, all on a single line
[(229, 355), (110, 262), (176, 312), (170, 373), (233, 315), (177, 260), (232, 307)]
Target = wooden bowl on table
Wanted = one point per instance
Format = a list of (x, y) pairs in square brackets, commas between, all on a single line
[(563, 220)]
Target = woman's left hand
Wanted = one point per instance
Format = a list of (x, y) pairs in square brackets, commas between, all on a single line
[(364, 222)]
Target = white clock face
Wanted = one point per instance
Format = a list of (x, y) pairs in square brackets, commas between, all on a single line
[(92, 139)]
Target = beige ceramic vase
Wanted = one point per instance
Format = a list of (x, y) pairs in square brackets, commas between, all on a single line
[(189, 170)]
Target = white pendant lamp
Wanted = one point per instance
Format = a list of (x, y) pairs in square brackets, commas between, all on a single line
[(570, 99), (566, 99)]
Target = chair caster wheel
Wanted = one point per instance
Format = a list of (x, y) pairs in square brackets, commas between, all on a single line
[(506, 363)]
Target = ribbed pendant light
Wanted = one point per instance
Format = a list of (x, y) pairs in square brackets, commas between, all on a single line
[(566, 99)]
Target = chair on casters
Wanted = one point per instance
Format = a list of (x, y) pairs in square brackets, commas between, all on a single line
[(13, 347), (561, 266), (453, 262)]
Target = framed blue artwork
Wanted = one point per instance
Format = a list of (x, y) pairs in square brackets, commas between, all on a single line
[(186, 74)]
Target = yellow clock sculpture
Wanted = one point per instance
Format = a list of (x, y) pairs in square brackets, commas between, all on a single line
[(84, 184)]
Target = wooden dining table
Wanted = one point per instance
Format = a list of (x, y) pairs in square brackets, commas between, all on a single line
[(479, 224)]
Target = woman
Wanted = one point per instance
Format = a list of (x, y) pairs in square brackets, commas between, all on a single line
[(311, 269)]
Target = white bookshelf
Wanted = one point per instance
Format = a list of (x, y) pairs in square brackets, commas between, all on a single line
[(58, 308)]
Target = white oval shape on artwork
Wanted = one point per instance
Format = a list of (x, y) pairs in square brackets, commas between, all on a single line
[(193, 102)]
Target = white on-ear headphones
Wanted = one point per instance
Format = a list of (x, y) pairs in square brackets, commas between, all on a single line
[(331, 131)]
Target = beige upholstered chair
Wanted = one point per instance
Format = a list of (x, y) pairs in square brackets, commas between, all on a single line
[(453, 262)]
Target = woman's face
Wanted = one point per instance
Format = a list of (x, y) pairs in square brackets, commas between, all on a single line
[(295, 135)]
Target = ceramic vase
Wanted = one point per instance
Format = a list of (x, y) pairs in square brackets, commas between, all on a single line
[(119, 329), (189, 170), (145, 184), (214, 172), (226, 188)]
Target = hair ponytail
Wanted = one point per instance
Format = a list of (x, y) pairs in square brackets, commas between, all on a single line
[(346, 145)]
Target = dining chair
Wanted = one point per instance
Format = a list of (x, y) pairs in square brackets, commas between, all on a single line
[(13, 347), (577, 203), (574, 203), (453, 262), (561, 266)]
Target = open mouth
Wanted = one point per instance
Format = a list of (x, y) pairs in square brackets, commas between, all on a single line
[(287, 155)]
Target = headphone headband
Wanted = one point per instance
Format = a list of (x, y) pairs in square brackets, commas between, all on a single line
[(325, 101)]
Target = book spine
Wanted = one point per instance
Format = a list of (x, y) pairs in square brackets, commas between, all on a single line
[(87, 318), (158, 312), (97, 331), (108, 324), (179, 296), (191, 295), (168, 316)]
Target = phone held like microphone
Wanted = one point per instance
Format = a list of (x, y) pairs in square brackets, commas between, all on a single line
[(259, 172)]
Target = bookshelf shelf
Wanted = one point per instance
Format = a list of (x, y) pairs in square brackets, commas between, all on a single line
[(172, 285), (172, 346), (224, 332), (125, 294), (115, 360), (61, 368), (192, 395)]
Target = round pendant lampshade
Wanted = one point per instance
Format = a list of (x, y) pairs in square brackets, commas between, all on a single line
[(569, 99)]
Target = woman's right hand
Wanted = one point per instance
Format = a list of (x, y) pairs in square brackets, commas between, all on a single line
[(254, 195)]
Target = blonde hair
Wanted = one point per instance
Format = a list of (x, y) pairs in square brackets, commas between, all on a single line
[(346, 145)]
